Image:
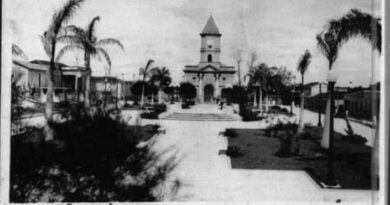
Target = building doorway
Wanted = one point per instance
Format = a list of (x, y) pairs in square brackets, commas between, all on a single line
[(208, 93)]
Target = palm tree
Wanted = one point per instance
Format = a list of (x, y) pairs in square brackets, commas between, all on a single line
[(49, 38), (145, 73), (355, 23), (303, 65), (161, 78), (86, 40), (18, 52)]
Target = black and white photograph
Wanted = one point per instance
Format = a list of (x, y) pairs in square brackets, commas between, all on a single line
[(253, 101)]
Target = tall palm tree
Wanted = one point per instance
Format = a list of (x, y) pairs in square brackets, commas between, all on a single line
[(49, 38), (145, 73), (86, 40), (303, 65), (18, 52), (355, 23), (161, 77)]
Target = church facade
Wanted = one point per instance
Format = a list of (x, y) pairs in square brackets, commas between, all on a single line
[(210, 76)]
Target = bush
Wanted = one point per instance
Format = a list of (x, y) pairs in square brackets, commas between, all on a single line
[(355, 138), (230, 133), (284, 110), (149, 115), (235, 151), (247, 114), (159, 108), (185, 106), (92, 159)]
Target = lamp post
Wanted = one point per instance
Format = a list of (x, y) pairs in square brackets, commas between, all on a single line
[(330, 178), (254, 94), (105, 91), (319, 106)]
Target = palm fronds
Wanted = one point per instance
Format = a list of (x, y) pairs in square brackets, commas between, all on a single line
[(357, 23), (91, 29), (69, 39), (105, 55), (63, 15), (66, 49), (329, 47), (304, 62), (73, 30), (18, 52), (110, 41)]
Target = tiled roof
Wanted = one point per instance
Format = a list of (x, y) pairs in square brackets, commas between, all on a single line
[(211, 27)]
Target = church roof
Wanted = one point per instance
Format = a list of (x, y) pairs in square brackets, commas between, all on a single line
[(210, 27)]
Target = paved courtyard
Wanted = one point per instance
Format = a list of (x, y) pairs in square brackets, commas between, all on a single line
[(207, 176)]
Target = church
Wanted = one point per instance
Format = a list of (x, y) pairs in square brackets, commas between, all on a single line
[(210, 76)]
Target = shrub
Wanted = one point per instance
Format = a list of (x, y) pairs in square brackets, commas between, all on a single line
[(284, 110), (149, 115), (234, 151), (92, 159), (247, 114), (355, 138), (230, 133), (185, 106), (159, 108)]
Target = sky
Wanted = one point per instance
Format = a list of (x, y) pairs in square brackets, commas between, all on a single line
[(279, 31)]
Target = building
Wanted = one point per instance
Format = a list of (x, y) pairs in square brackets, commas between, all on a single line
[(32, 77), (210, 76), (110, 88), (314, 88), (360, 103)]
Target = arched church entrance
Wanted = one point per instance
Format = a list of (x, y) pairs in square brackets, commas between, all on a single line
[(208, 93)]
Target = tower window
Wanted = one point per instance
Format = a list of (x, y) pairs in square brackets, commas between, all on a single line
[(209, 58)]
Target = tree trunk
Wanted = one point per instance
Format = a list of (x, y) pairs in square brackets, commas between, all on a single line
[(301, 122), (143, 91), (266, 102), (260, 100), (87, 59), (254, 98), (152, 98), (159, 96), (48, 130)]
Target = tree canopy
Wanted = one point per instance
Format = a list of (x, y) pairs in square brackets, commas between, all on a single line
[(136, 89), (187, 90)]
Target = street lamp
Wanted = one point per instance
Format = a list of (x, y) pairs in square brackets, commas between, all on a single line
[(105, 91), (330, 178), (319, 105), (254, 93)]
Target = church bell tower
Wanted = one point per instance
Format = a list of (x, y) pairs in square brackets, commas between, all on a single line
[(210, 48)]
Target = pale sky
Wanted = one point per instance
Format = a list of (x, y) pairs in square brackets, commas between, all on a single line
[(168, 32)]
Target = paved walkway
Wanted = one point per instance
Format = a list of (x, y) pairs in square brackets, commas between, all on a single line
[(207, 176)]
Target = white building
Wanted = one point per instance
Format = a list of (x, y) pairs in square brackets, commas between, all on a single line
[(210, 75)]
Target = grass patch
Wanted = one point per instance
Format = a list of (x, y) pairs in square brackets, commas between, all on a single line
[(352, 160)]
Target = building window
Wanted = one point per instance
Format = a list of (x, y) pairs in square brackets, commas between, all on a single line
[(193, 78), (209, 58), (210, 46), (223, 78)]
